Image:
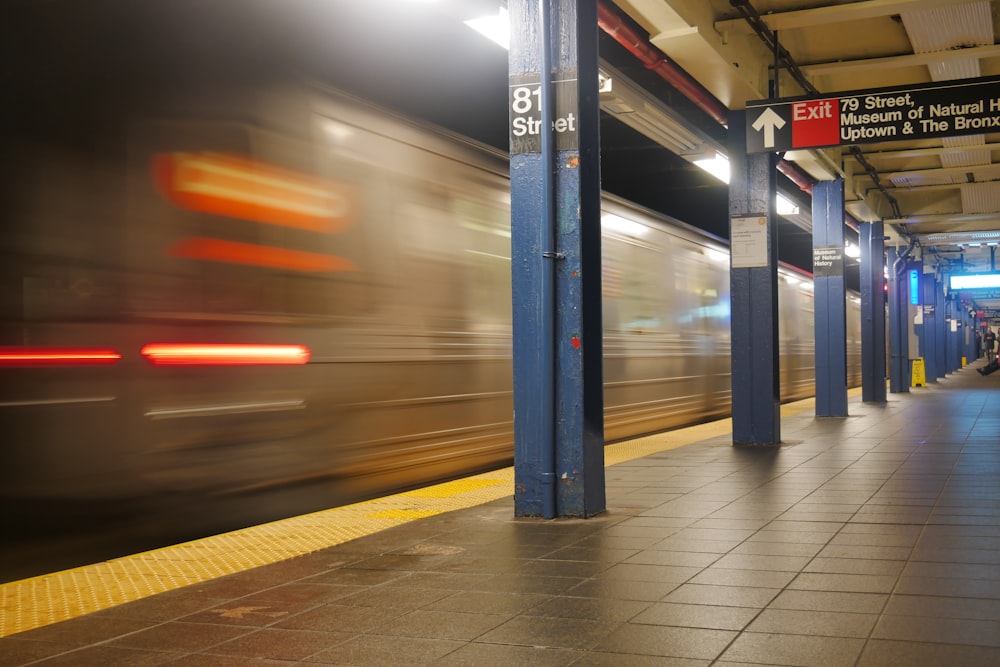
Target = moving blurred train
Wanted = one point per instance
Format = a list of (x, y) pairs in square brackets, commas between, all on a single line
[(284, 293)]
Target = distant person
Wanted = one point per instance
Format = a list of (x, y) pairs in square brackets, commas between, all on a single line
[(990, 340)]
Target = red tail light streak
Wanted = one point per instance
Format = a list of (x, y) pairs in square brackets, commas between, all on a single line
[(22, 357), (214, 354)]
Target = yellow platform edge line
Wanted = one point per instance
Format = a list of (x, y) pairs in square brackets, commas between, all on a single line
[(50, 598)]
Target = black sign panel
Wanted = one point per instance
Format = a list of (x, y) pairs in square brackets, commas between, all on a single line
[(524, 101), (828, 261), (928, 111)]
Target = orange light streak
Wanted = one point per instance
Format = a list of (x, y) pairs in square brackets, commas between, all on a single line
[(237, 187), (234, 252), (222, 354)]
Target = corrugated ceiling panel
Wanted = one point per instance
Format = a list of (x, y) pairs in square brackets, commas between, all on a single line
[(981, 197), (950, 70), (951, 27), (969, 141), (967, 158)]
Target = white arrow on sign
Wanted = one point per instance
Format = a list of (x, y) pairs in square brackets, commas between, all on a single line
[(769, 121)]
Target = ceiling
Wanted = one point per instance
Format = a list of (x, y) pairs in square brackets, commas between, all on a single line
[(943, 192)]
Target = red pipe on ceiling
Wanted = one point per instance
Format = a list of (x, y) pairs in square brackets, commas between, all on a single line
[(611, 22)]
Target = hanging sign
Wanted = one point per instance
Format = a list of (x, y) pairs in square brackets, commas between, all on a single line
[(929, 111)]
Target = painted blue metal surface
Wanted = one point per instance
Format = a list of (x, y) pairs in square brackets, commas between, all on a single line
[(928, 331), (754, 296), (830, 311), (873, 317), (941, 340), (898, 297), (556, 263), (954, 346)]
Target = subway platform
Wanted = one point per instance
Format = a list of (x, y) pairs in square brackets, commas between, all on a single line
[(869, 540)]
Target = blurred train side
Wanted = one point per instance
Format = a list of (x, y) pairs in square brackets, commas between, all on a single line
[(407, 316)]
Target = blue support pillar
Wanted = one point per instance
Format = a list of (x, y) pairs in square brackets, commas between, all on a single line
[(941, 322), (753, 291), (954, 330), (970, 337), (929, 329), (830, 311), (873, 299), (899, 340), (556, 259)]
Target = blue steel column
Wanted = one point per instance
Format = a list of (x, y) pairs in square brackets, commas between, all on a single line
[(899, 341), (941, 349), (929, 330), (954, 331), (830, 311), (753, 294), (873, 298), (970, 337), (556, 259)]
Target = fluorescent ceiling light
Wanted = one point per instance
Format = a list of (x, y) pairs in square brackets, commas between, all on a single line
[(975, 281), (785, 206), (495, 27), (852, 250), (717, 166)]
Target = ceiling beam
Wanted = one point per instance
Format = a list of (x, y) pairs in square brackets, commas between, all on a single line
[(959, 237), (935, 186), (955, 218), (896, 62), (855, 11), (924, 152), (938, 171)]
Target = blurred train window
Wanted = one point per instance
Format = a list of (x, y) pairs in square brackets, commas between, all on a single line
[(487, 259), (231, 221)]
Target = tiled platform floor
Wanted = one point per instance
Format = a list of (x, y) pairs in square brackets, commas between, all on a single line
[(869, 540)]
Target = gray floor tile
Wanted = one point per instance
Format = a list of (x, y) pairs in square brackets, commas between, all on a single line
[(847, 583), (479, 654), (939, 630), (879, 653), (278, 644), (943, 607), (696, 616), (382, 651), (718, 576), (595, 609), (773, 649), (814, 623), (666, 641), (569, 633), (860, 603), (727, 596)]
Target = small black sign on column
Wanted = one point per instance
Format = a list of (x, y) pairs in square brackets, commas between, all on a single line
[(524, 97), (828, 261)]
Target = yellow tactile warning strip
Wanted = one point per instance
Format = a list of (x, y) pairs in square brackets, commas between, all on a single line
[(39, 601)]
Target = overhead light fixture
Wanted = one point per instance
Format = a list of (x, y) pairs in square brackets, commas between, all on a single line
[(852, 250), (785, 206), (495, 27), (975, 281), (717, 166)]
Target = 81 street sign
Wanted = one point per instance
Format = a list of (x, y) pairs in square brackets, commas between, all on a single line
[(870, 116)]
